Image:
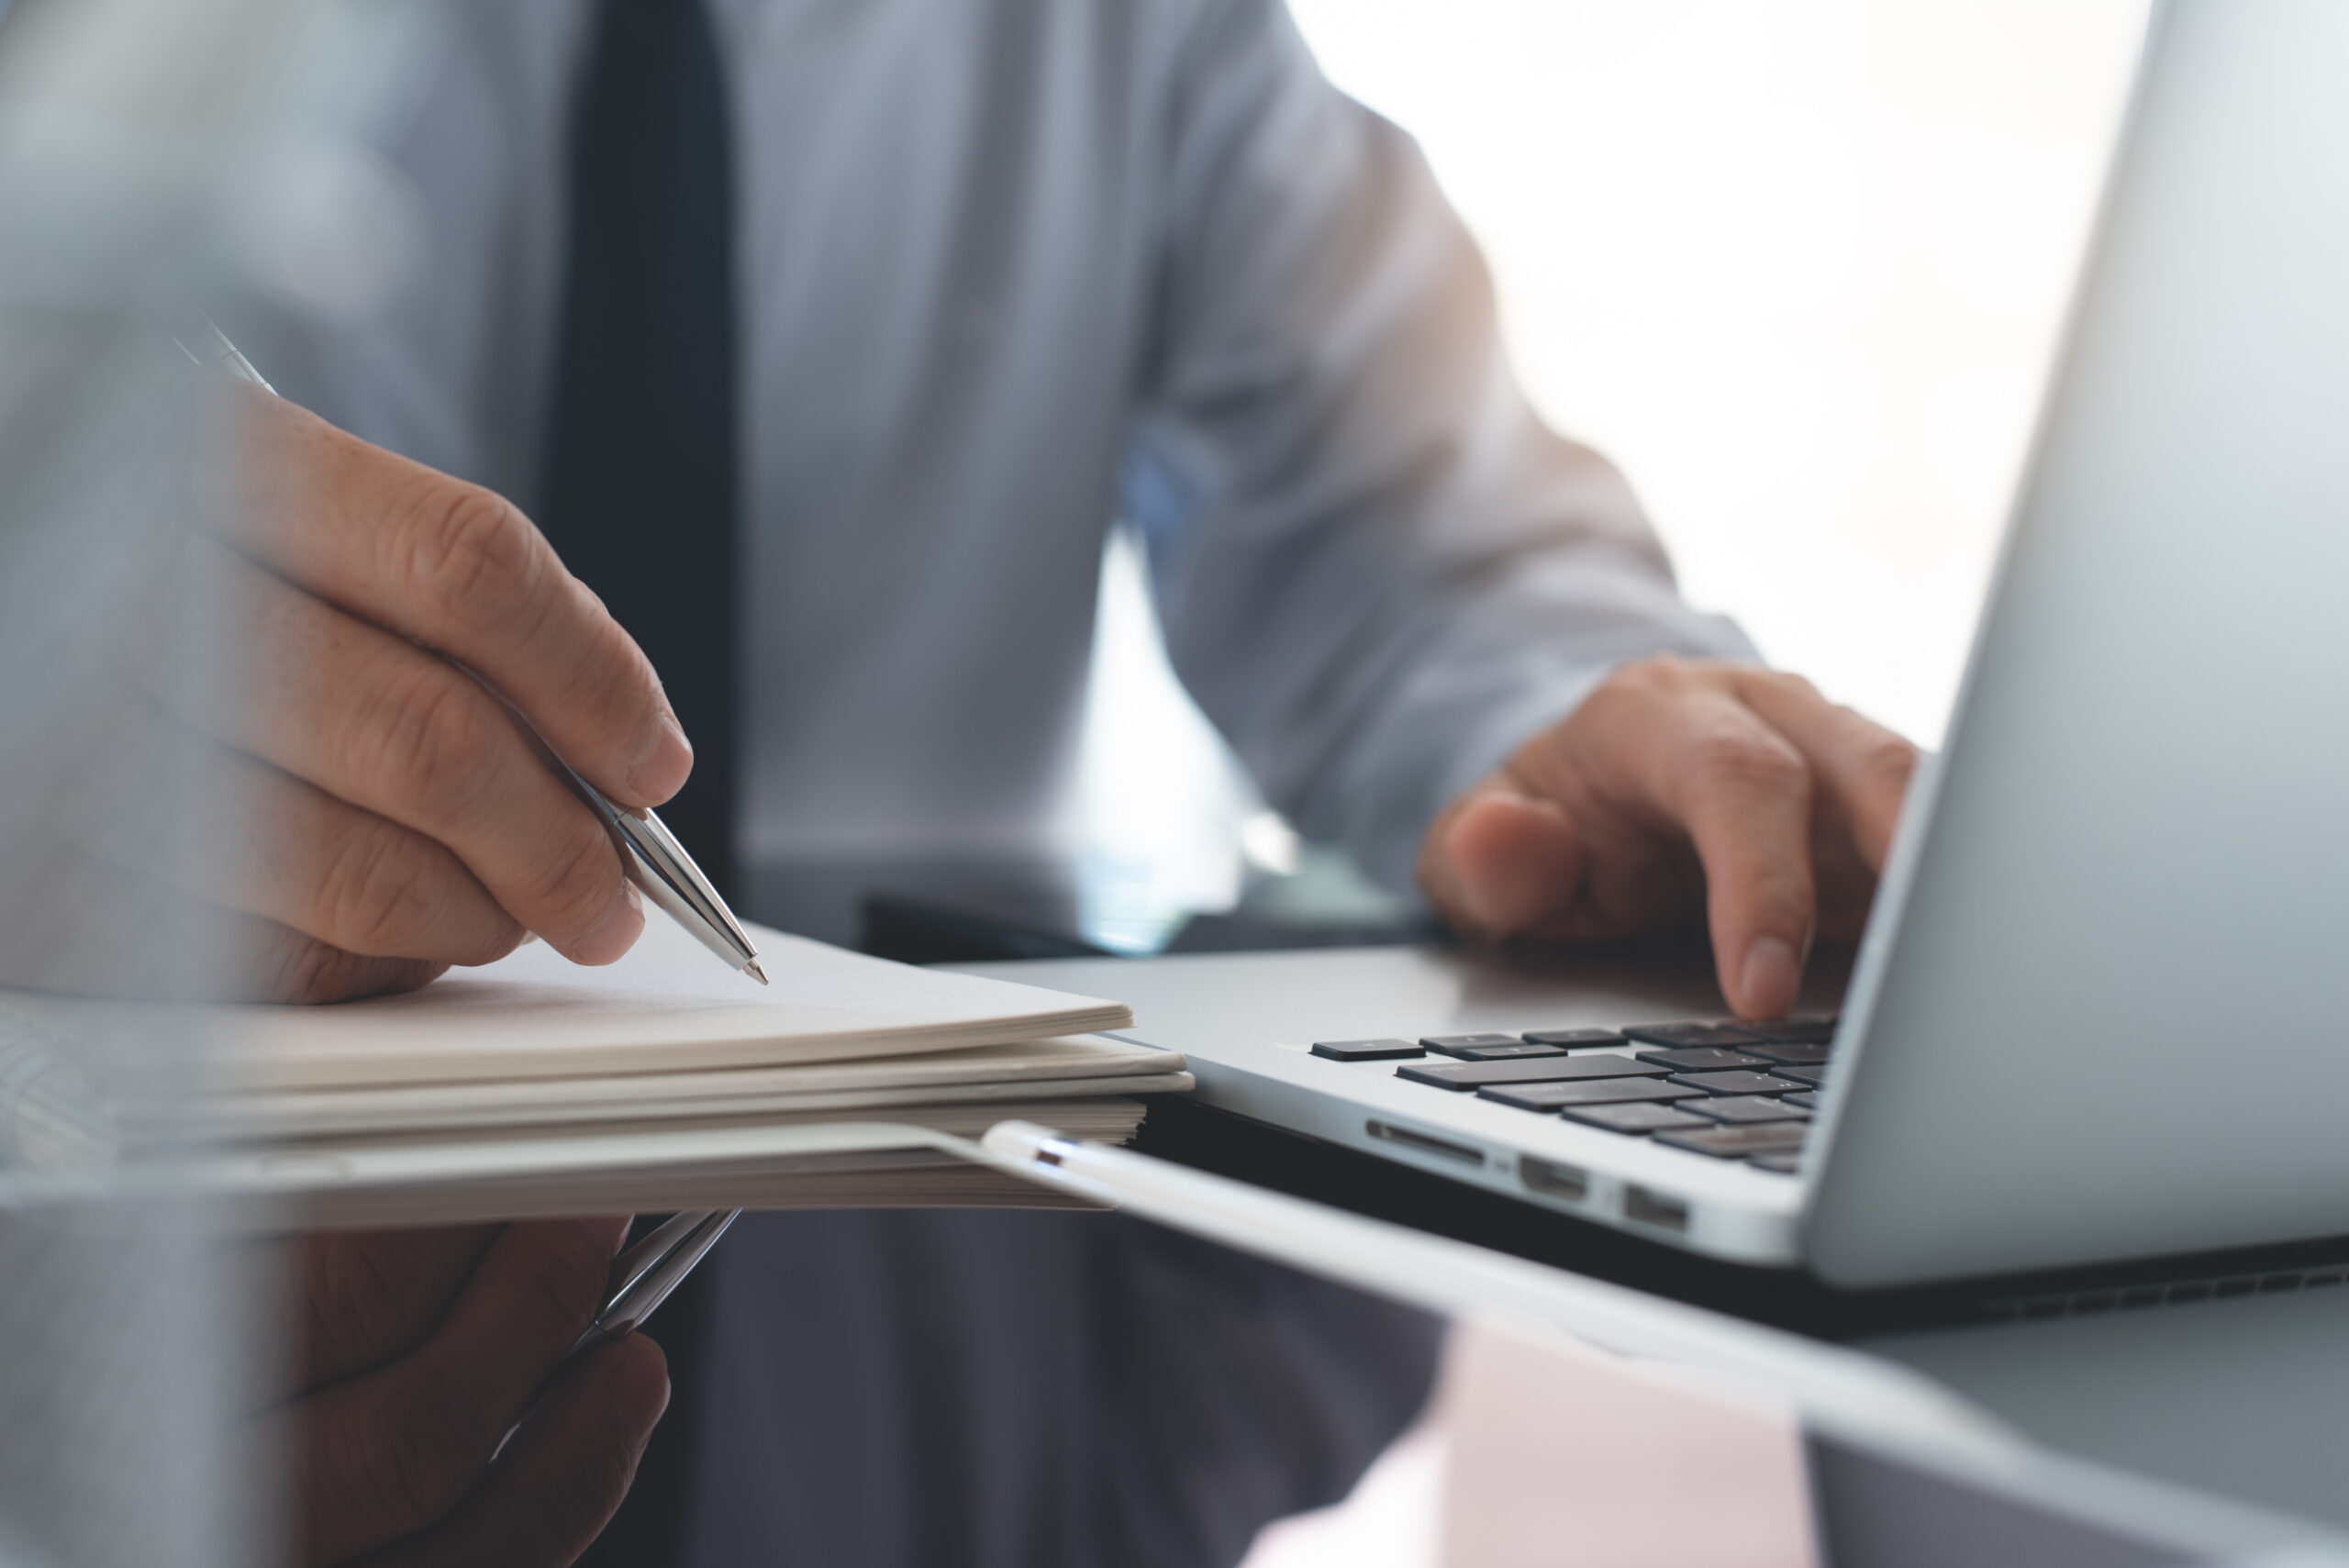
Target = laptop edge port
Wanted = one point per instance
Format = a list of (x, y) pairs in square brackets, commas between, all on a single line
[(1552, 1179), (1651, 1208), (1426, 1143)]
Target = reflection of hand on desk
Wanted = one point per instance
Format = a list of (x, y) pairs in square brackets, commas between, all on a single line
[(415, 1352)]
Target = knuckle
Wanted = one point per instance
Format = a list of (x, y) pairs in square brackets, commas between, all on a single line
[(558, 1275), (305, 971), (376, 897), (1672, 677), (412, 1467), (1654, 675), (577, 881), (610, 672), (477, 558), (365, 1310), (1752, 761), (435, 741)]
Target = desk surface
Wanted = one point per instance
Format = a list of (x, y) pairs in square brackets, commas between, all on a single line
[(2244, 1398)]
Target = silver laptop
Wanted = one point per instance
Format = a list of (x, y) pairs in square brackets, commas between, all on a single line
[(2102, 1010)]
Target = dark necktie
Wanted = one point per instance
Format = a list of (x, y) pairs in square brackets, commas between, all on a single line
[(640, 491), (639, 495)]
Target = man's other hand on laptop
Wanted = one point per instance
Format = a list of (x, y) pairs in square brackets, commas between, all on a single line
[(1682, 788)]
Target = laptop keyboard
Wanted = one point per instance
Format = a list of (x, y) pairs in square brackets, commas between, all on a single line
[(1743, 1091)]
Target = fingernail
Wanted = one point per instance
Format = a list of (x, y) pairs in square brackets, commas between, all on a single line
[(1767, 984), (615, 933), (660, 770)]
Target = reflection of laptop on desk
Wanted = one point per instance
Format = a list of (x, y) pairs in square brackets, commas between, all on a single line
[(2095, 1017)]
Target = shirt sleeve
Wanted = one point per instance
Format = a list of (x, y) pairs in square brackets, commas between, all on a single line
[(1378, 570)]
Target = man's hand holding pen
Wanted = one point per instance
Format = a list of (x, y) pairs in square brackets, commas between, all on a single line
[(384, 816)]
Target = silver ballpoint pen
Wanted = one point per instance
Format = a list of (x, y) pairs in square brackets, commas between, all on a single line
[(643, 1276), (650, 853)]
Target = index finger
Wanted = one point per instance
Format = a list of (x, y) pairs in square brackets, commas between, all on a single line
[(460, 569), (1742, 794)]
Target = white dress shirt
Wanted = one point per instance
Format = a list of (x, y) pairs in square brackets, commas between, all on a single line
[(1010, 271)]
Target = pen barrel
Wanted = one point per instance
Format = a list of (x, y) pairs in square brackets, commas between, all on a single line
[(660, 866)]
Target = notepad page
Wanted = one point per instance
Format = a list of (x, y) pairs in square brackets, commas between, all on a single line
[(668, 1005)]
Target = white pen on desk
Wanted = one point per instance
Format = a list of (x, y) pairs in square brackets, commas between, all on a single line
[(650, 854)]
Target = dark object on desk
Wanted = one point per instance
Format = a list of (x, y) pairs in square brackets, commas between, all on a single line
[(1239, 931), (921, 931), (912, 929)]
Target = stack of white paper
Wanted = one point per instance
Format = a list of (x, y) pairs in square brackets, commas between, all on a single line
[(532, 1085)]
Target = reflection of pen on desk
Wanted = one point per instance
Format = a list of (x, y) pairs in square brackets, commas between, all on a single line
[(650, 853), (640, 1280)]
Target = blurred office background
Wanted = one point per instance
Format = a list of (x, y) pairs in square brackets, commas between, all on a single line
[(1798, 268)]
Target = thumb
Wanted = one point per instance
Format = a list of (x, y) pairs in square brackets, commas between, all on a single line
[(1499, 861)]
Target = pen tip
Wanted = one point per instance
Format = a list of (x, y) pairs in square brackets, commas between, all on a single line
[(754, 972)]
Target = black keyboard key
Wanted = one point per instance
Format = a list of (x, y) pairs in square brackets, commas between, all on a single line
[(1816, 1077), (1689, 1034), (1784, 1164), (1572, 1040), (1515, 1050), (1798, 1055), (1791, 1031), (1366, 1050), (1453, 1044), (1633, 1117), (1701, 1058), (1807, 1099), (1736, 1142), (1744, 1110), (1540, 1070), (1590, 1091), (1733, 1083)]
